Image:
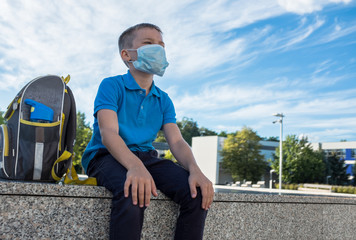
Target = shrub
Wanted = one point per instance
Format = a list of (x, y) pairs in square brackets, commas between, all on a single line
[(288, 186), (344, 189)]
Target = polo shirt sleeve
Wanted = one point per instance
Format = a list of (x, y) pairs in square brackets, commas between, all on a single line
[(169, 113), (108, 96)]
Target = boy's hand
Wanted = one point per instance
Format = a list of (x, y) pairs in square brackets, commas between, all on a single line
[(142, 185), (198, 179)]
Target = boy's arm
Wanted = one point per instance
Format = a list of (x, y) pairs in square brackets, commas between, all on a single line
[(182, 152), (140, 180)]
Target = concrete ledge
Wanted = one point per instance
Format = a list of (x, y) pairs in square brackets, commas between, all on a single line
[(315, 187), (50, 211), (314, 190)]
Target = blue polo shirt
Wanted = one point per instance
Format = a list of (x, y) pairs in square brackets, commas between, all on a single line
[(140, 117)]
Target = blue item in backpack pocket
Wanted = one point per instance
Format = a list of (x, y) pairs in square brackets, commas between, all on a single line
[(39, 112)]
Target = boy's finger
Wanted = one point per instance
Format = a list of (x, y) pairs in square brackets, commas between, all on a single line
[(193, 190), (141, 194), (208, 195), (153, 188), (211, 197), (126, 188), (205, 200), (134, 193), (147, 194)]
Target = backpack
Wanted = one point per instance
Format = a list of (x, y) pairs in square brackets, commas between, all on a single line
[(36, 143)]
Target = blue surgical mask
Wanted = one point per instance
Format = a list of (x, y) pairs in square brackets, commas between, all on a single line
[(150, 59)]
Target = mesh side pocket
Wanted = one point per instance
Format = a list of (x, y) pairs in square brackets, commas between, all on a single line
[(6, 164)]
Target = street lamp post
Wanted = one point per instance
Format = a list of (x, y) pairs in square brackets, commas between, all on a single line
[(280, 120), (271, 179), (327, 179)]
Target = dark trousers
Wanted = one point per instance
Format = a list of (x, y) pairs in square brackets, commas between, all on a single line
[(127, 219)]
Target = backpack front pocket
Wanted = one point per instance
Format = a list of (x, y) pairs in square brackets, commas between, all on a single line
[(38, 150)]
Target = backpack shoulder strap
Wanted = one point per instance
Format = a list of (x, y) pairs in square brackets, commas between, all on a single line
[(72, 123), (71, 176)]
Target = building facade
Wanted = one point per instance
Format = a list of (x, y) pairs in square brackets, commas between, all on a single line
[(344, 150), (207, 149)]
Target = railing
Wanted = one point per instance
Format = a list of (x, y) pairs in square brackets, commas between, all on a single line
[(313, 187)]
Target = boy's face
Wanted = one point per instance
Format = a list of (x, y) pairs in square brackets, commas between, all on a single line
[(143, 36)]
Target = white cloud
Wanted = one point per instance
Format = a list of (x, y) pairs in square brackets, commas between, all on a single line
[(291, 38), (50, 37), (307, 6), (330, 134), (304, 33), (338, 32)]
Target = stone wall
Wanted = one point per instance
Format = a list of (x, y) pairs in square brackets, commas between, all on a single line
[(50, 211)]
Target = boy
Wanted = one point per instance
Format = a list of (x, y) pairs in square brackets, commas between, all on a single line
[(129, 110)]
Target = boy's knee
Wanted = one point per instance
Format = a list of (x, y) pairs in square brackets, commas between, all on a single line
[(191, 202), (119, 200)]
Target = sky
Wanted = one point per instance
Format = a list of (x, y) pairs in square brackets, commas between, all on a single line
[(232, 63)]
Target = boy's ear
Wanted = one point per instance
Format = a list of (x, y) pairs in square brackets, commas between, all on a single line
[(125, 55)]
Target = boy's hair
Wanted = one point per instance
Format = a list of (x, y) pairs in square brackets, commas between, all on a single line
[(127, 37)]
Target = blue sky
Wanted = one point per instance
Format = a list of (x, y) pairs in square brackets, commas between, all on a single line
[(232, 63)]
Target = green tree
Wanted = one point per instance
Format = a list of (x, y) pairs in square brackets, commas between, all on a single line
[(338, 175), (160, 137), (206, 132), (189, 129), (241, 155), (84, 133), (274, 139), (2, 119), (301, 164), (223, 134), (168, 155)]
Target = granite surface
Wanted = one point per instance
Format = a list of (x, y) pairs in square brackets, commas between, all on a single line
[(51, 189), (51, 211), (48, 189), (29, 217)]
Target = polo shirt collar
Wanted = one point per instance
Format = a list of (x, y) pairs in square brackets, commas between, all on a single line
[(130, 83), (154, 90)]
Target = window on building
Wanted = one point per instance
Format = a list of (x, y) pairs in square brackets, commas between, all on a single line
[(353, 153), (341, 153)]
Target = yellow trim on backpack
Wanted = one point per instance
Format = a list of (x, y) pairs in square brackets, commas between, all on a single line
[(65, 156), (37, 124), (66, 79), (60, 136), (72, 178), (6, 137), (13, 110), (71, 175)]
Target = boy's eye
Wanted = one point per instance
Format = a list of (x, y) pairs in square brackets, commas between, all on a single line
[(147, 42)]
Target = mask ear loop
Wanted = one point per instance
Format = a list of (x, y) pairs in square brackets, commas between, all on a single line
[(131, 61)]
